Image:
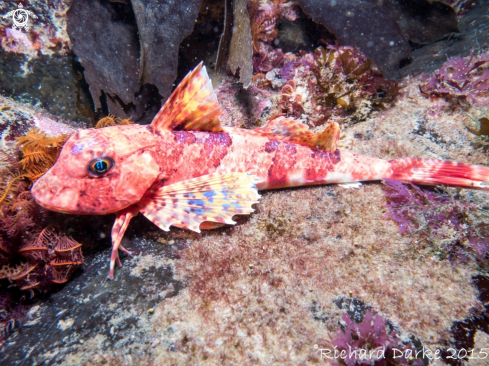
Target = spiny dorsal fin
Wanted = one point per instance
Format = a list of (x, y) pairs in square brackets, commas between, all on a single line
[(192, 106), (211, 198), (288, 129)]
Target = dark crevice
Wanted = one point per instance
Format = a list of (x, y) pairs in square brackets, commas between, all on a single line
[(124, 13), (202, 44), (84, 102), (303, 34), (464, 331), (152, 102)]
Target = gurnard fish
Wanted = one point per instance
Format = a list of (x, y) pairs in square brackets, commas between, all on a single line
[(186, 170)]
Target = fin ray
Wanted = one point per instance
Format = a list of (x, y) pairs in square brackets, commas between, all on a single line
[(288, 129), (193, 105), (210, 198)]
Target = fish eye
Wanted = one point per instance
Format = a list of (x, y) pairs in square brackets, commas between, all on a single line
[(100, 166)]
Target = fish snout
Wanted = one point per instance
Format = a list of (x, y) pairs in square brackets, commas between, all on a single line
[(47, 194), (79, 196), (41, 192)]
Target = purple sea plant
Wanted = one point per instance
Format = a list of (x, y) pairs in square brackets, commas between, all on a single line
[(456, 229), (288, 70), (369, 342), (478, 241), (406, 206), (461, 78)]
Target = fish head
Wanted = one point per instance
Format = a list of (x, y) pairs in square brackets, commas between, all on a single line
[(98, 171)]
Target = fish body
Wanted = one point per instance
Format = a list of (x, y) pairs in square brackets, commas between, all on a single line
[(186, 170), (175, 156)]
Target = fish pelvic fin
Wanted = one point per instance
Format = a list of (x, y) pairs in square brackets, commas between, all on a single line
[(193, 106), (214, 198), (120, 226), (288, 129)]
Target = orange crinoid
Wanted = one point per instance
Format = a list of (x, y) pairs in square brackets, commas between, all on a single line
[(33, 256)]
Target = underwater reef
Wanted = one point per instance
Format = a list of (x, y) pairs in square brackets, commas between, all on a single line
[(382, 266), (34, 254)]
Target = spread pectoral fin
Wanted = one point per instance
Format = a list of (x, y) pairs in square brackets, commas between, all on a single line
[(210, 198)]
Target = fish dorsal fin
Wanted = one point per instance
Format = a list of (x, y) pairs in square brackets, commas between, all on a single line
[(288, 129), (282, 127), (210, 198), (192, 106)]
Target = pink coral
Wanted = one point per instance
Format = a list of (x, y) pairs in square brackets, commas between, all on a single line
[(462, 79)]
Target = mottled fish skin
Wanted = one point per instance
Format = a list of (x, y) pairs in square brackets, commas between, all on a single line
[(277, 164), (143, 158), (280, 164)]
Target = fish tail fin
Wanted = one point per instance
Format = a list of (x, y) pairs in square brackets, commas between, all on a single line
[(433, 172)]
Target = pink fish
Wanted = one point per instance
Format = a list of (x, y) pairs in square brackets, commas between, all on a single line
[(188, 171)]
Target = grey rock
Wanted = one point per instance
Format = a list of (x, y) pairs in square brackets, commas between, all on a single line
[(364, 25), (130, 51)]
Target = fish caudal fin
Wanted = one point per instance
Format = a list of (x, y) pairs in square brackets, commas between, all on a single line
[(192, 106), (212, 198), (433, 172)]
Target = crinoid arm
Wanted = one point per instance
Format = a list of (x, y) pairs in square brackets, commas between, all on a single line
[(37, 249), (39, 152)]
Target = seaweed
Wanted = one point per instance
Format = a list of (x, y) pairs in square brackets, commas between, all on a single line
[(241, 48), (291, 102), (264, 18), (349, 84), (461, 80), (34, 256), (449, 228), (345, 75), (481, 142), (370, 340)]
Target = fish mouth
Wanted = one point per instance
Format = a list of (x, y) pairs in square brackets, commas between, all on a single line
[(54, 208), (47, 196)]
